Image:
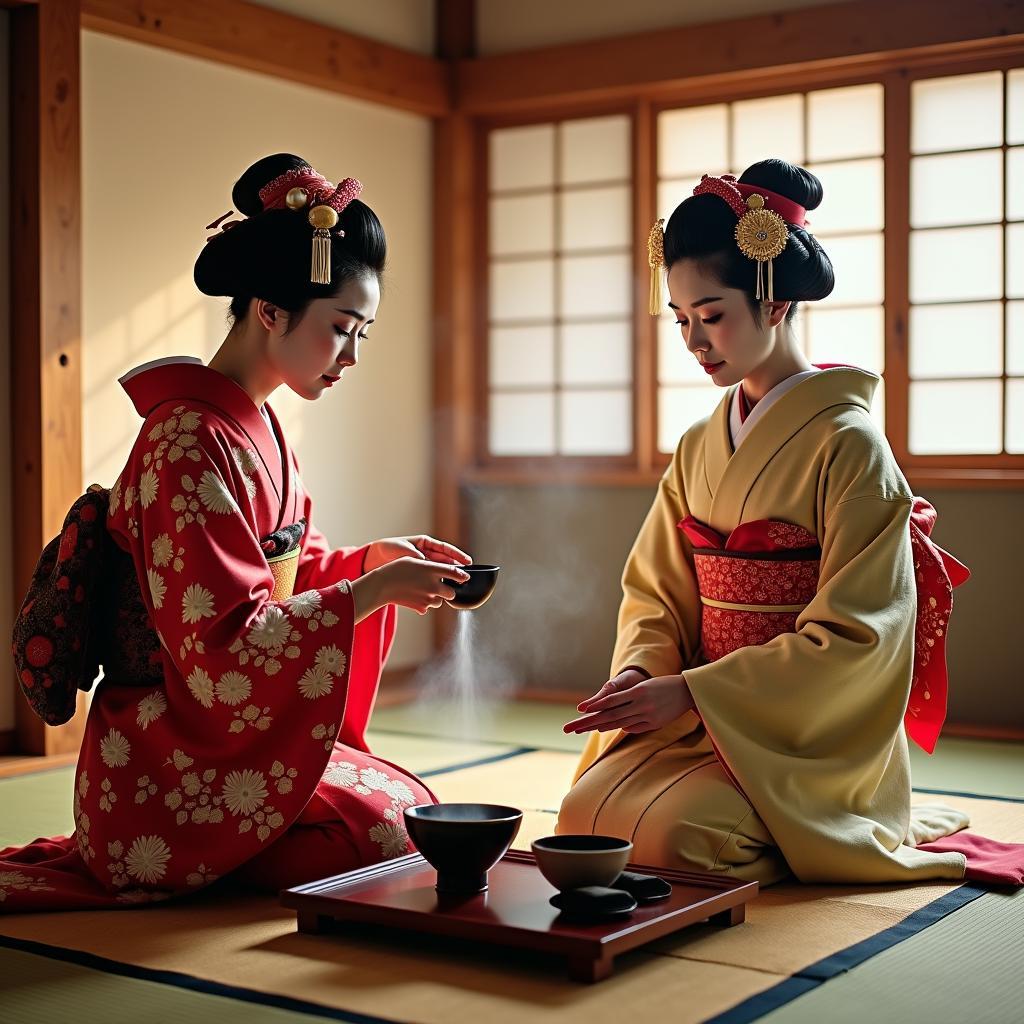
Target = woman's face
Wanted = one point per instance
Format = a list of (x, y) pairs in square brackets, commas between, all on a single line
[(314, 356), (716, 324)]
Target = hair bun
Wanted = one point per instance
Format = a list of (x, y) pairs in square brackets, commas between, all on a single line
[(246, 194), (789, 180)]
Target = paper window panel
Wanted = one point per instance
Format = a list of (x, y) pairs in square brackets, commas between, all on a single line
[(595, 218), (1015, 261), (594, 286), (956, 341), (595, 149), (956, 188), (599, 353), (522, 290), (956, 264), (956, 417), (522, 423), (1015, 338), (672, 193), (845, 123), (522, 157), (680, 407), (1015, 184), (852, 336), (1015, 416), (676, 365), (1015, 107), (596, 422), (522, 225), (961, 112), (857, 262), (693, 142), (767, 127), (522, 357), (852, 197)]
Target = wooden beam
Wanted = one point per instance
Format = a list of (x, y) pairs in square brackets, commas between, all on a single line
[(455, 29), (46, 386), (454, 304), (257, 38), (673, 61), (456, 187)]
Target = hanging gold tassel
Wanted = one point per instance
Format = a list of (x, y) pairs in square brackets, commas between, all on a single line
[(323, 218), (656, 261)]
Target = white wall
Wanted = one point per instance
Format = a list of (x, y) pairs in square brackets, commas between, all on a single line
[(405, 23), (7, 684), (164, 138), (503, 26)]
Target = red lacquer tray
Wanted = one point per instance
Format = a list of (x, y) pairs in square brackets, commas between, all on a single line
[(515, 910)]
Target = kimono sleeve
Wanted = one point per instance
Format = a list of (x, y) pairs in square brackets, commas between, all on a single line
[(659, 617), (228, 646), (811, 722)]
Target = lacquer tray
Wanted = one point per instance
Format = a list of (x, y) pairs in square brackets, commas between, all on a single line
[(515, 910)]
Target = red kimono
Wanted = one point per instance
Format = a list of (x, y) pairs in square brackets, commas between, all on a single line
[(250, 756)]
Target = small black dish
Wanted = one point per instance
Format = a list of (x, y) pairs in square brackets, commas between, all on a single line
[(594, 903), (477, 589), (643, 888)]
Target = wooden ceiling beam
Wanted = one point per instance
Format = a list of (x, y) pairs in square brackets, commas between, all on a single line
[(860, 34), (259, 39)]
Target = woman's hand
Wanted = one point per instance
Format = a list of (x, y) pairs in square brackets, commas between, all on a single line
[(633, 703), (414, 583), (381, 552)]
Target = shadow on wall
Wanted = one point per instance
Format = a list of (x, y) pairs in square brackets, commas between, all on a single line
[(562, 550), (173, 320)]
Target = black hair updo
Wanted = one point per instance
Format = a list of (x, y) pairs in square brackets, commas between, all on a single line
[(267, 255), (703, 228)]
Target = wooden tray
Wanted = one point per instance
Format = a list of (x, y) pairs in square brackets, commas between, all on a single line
[(515, 910)]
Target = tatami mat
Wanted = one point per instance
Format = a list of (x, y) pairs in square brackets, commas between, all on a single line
[(795, 937)]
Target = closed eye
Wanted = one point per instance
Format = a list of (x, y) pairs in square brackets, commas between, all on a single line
[(348, 334), (710, 320)]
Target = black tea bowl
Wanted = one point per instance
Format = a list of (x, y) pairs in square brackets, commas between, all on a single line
[(477, 589), (462, 841)]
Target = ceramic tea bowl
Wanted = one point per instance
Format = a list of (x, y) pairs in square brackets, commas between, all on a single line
[(462, 841), (477, 589), (571, 861)]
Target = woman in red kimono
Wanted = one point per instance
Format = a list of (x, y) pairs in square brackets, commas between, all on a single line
[(241, 749)]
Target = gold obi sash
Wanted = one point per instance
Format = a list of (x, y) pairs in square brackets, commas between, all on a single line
[(284, 569), (281, 550), (753, 585)]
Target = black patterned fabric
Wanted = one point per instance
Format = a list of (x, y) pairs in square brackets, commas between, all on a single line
[(83, 609), (282, 541)]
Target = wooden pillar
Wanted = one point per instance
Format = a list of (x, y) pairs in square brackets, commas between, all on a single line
[(455, 297), (46, 434)]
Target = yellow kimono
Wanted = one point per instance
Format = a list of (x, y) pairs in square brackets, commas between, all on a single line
[(796, 758)]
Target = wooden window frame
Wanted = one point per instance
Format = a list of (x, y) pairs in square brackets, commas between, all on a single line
[(518, 466), (646, 464)]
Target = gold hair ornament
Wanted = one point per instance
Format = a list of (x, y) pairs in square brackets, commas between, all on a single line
[(323, 218), (656, 261), (761, 235)]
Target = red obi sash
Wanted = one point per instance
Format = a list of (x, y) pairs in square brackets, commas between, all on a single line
[(754, 585)]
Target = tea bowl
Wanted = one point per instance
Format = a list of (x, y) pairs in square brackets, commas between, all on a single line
[(477, 589), (575, 861), (462, 841)]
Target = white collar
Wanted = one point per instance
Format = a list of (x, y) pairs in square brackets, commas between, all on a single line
[(739, 429)]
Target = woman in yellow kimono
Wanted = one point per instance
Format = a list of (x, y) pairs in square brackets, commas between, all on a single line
[(770, 648)]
